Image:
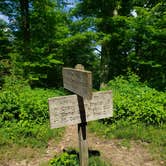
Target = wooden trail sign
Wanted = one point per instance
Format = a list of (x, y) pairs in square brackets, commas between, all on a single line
[(80, 108), (65, 110), (78, 81)]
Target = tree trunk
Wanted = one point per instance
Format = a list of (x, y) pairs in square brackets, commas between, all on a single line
[(104, 65), (24, 5), (106, 52)]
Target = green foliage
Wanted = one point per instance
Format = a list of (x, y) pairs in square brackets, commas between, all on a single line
[(112, 23), (45, 60), (24, 114), (66, 159), (29, 134), (23, 103), (148, 60), (124, 129), (5, 47), (129, 41), (137, 102)]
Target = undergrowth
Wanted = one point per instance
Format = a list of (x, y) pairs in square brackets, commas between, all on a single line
[(24, 117), (66, 159), (153, 136), (137, 102), (139, 114)]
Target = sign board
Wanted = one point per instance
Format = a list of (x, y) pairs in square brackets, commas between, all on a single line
[(78, 81), (65, 110)]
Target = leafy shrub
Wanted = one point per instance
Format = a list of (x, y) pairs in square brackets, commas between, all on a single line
[(24, 103), (66, 159), (137, 102), (24, 115)]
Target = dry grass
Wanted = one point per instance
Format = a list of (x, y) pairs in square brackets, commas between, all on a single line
[(15, 153)]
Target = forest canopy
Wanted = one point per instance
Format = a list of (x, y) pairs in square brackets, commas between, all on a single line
[(110, 38)]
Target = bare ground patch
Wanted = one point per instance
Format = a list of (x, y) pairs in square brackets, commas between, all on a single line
[(112, 151)]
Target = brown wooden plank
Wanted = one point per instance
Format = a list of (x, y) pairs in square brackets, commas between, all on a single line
[(65, 110), (78, 81)]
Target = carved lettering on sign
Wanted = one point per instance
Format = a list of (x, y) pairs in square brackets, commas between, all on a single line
[(65, 111)]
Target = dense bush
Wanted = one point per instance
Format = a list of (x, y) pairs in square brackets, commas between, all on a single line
[(137, 102), (24, 115), (24, 103)]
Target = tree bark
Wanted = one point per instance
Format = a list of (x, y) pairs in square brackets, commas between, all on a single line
[(24, 5), (106, 52)]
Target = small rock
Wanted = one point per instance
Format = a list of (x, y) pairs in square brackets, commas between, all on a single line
[(162, 162)]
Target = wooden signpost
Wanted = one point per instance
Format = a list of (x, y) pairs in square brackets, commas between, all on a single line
[(80, 108)]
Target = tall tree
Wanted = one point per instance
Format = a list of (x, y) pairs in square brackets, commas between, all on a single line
[(37, 26), (5, 47), (148, 56), (128, 38), (108, 21), (25, 26)]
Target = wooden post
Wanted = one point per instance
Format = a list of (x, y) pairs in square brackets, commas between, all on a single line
[(83, 146), (83, 153)]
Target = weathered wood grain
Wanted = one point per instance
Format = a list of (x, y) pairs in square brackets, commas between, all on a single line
[(78, 81), (83, 145), (65, 110)]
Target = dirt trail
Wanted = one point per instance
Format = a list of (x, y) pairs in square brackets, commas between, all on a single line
[(110, 150)]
